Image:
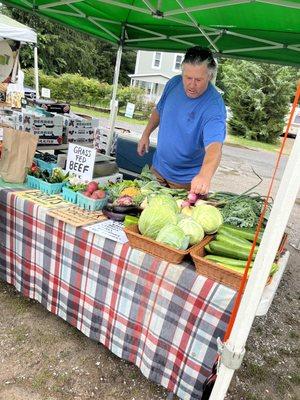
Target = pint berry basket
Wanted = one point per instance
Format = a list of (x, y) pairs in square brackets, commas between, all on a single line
[(91, 204)]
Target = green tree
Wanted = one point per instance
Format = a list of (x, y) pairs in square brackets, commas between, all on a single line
[(63, 50), (259, 97)]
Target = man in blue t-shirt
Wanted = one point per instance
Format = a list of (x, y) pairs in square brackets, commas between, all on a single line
[(191, 116)]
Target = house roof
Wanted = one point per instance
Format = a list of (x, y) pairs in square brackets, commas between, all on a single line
[(147, 75)]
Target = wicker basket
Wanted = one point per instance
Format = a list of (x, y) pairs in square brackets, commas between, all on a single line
[(212, 270), (154, 248)]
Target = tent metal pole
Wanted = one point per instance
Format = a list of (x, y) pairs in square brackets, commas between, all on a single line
[(36, 72), (113, 109), (287, 193)]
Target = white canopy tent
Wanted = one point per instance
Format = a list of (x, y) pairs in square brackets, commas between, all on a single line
[(14, 30)]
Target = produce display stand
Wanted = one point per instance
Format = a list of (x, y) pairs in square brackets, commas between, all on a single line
[(163, 317), (274, 39)]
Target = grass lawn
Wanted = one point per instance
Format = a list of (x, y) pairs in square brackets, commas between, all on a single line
[(252, 143), (97, 114), (235, 140)]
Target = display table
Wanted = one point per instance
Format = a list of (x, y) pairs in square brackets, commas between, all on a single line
[(164, 318)]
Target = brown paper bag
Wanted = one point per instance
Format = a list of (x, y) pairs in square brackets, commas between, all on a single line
[(18, 149)]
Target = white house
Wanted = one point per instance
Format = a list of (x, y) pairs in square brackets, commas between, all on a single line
[(153, 69)]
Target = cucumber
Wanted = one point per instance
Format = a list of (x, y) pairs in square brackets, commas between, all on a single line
[(207, 248), (235, 242), (248, 234), (274, 269), (236, 269), (228, 261), (233, 236), (224, 249)]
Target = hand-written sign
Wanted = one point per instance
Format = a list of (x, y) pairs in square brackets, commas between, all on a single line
[(80, 161), (42, 199)]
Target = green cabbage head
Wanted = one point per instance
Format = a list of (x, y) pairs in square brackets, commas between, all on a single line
[(154, 217), (164, 200), (209, 217), (192, 229), (172, 235)]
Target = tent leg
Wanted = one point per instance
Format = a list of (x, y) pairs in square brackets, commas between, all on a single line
[(287, 193), (112, 116), (36, 72)]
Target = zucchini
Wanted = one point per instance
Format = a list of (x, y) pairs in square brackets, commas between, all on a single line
[(236, 269), (226, 250), (235, 242), (275, 268), (207, 248), (228, 261), (233, 236), (248, 234)]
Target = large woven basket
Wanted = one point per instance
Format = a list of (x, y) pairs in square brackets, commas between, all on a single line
[(154, 248), (212, 270)]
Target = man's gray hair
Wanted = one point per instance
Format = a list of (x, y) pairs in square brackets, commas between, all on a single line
[(201, 55)]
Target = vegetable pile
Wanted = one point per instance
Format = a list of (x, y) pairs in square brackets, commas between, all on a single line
[(164, 221), (240, 210), (56, 176), (231, 248)]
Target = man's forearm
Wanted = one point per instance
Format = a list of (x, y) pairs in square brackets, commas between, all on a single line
[(211, 160), (152, 123)]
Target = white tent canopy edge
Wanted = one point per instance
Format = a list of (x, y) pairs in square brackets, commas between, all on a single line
[(14, 30)]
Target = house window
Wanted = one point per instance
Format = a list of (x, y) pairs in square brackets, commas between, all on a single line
[(156, 60), (178, 61)]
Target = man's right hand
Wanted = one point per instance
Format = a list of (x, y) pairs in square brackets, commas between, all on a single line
[(143, 145)]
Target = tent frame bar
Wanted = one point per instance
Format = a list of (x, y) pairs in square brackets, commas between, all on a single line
[(201, 30)]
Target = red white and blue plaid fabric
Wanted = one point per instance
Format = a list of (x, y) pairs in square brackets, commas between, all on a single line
[(164, 318)]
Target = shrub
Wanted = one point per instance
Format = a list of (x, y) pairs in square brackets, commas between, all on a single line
[(259, 97)]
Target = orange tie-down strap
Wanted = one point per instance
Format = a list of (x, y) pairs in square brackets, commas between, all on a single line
[(261, 218)]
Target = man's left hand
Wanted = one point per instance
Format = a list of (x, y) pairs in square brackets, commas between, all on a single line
[(200, 185)]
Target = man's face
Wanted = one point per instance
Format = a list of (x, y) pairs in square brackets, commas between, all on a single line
[(195, 79)]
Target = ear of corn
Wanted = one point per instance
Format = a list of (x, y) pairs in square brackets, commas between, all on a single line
[(130, 191)]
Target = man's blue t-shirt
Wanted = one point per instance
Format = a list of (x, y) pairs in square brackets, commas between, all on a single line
[(186, 127)]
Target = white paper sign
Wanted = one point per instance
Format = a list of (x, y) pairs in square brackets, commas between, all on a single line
[(129, 110), (80, 161), (109, 229), (46, 93), (1, 133)]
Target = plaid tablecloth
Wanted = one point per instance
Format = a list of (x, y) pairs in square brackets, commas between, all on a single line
[(162, 317)]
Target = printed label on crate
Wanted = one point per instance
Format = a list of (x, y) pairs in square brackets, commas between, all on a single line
[(109, 229), (80, 161), (43, 199)]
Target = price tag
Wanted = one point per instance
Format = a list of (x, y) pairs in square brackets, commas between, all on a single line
[(109, 229)]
